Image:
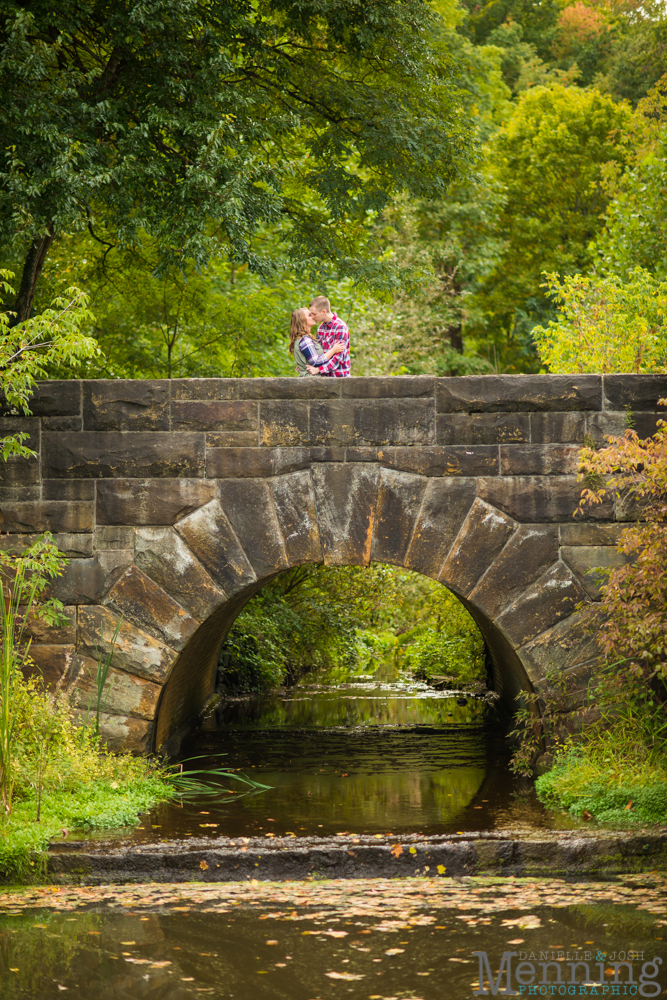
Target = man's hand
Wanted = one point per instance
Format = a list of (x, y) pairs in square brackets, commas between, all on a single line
[(337, 348), (312, 370)]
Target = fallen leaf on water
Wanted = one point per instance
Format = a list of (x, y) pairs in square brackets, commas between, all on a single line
[(209, 824), (516, 941), (397, 850), (394, 951), (271, 942), (586, 815), (529, 922), (348, 976), (159, 965), (187, 979), (126, 943)]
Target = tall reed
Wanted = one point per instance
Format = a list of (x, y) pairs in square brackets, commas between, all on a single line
[(16, 600)]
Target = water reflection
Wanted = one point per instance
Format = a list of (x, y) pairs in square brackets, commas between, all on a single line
[(409, 939)]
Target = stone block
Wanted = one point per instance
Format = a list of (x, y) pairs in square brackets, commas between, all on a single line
[(214, 415), (537, 499), (162, 555), (638, 392), (62, 423), (353, 454), (566, 645), (399, 500), (68, 489), (557, 428), (126, 405), (608, 423), (63, 634), (445, 505), (254, 463), (135, 651), (483, 534), (586, 561), (113, 537), (372, 422), (554, 596), (19, 473), (56, 398), (294, 502), (447, 460), (204, 388), (123, 694), (322, 454), (528, 553), (283, 423), (71, 545), (482, 428), (539, 460), (86, 581), (514, 393), (47, 515), (18, 494), (346, 497), (387, 386), (646, 423), (150, 501), (51, 663), (211, 538), (589, 533), (139, 599), (289, 388), (248, 504), (232, 439), (118, 454), (123, 733)]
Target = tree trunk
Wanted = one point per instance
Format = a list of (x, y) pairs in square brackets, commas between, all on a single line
[(32, 269), (455, 339)]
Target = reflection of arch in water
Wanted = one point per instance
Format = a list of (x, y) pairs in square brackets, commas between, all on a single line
[(507, 574)]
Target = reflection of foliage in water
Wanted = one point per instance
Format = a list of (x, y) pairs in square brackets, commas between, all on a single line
[(350, 619)]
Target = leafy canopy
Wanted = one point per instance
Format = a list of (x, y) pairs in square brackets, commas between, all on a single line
[(606, 325), (192, 122)]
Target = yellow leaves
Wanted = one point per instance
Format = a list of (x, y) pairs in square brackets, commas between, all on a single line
[(397, 850), (203, 865), (441, 869), (413, 850)]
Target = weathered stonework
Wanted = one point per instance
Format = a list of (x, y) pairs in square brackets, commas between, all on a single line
[(177, 500)]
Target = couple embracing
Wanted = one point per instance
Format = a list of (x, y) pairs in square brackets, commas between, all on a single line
[(326, 354)]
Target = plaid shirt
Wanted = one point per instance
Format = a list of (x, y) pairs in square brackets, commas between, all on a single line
[(328, 334), (308, 349)]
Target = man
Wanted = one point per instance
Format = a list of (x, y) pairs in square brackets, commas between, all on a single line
[(331, 330)]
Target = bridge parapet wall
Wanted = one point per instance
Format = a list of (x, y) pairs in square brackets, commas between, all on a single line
[(176, 500)]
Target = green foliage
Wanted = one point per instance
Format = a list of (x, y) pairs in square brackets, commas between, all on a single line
[(342, 619), (549, 157), (635, 232), (605, 325), (191, 124), (613, 776), (28, 350)]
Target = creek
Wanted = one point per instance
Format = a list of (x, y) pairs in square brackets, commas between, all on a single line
[(368, 757)]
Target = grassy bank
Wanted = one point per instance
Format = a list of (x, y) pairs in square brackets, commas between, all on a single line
[(64, 782), (614, 776)]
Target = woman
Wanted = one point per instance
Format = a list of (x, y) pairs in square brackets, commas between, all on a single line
[(305, 350)]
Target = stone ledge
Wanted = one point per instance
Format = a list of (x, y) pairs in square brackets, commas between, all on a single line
[(574, 854)]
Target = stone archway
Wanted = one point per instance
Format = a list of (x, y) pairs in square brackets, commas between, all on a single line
[(211, 562)]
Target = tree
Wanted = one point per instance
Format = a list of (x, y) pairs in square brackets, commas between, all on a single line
[(549, 158), (634, 635), (192, 122), (606, 325), (28, 349)]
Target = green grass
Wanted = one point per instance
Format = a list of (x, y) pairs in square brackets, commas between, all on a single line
[(615, 775), (102, 803)]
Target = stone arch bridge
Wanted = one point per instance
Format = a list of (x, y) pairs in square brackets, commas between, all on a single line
[(175, 501)]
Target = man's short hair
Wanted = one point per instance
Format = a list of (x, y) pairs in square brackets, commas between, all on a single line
[(321, 303)]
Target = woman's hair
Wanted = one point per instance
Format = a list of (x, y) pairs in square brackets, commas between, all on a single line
[(297, 327)]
